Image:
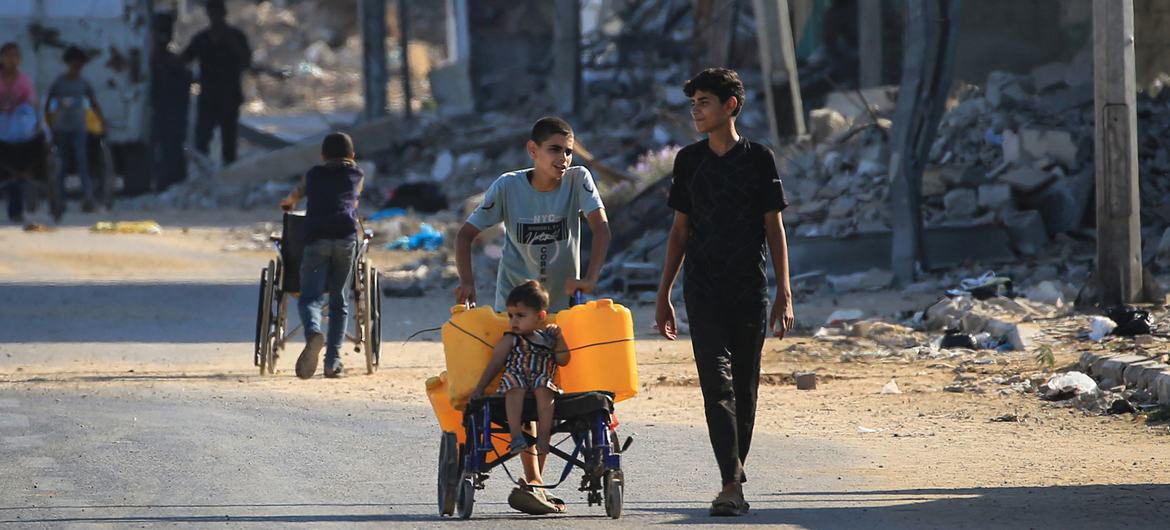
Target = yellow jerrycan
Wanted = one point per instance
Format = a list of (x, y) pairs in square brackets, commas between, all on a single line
[(600, 336), (468, 340), (451, 420)]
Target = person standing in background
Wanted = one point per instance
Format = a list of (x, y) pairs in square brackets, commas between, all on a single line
[(224, 56)]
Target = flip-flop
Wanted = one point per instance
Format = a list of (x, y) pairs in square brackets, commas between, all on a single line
[(552, 499), (728, 504), (530, 503)]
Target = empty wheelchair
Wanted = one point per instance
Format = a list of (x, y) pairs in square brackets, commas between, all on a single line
[(281, 279)]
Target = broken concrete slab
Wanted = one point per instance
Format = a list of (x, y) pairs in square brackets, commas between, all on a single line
[(825, 123), (995, 196), (1029, 234), (370, 137), (960, 203), (1114, 367), (851, 106), (1058, 206), (1143, 374), (1161, 387), (1054, 144), (871, 280), (1026, 179)]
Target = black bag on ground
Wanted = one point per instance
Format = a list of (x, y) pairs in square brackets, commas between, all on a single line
[(1130, 321)]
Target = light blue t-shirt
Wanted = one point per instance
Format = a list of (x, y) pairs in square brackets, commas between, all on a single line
[(542, 230)]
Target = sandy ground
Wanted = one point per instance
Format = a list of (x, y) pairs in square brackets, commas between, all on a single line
[(923, 439)]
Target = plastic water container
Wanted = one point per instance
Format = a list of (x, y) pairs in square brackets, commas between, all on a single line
[(610, 367), (468, 339), (451, 420)]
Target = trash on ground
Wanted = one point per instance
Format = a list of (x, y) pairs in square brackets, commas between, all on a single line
[(427, 238), (1068, 385), (891, 388), (127, 227), (1130, 321), (1099, 327)]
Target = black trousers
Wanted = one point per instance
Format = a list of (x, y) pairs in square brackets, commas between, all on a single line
[(727, 342), (212, 113)]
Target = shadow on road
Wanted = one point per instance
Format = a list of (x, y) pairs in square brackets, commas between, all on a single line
[(129, 312), (1101, 506)]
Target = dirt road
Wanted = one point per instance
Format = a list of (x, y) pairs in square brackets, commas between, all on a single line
[(128, 398)]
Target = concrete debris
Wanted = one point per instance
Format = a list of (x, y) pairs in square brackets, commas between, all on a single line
[(825, 123), (871, 280), (890, 388)]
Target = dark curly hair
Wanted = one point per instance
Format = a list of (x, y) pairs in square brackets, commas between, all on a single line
[(529, 294), (722, 82)]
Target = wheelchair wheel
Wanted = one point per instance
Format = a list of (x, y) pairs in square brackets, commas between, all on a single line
[(614, 490), (377, 335), (448, 473), (373, 320), (267, 343), (466, 501), (260, 336)]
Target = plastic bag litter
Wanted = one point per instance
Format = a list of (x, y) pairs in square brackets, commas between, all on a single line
[(427, 238), (1099, 327), (1069, 384), (1130, 321)]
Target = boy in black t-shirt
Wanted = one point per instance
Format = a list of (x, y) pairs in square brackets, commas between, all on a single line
[(727, 198)]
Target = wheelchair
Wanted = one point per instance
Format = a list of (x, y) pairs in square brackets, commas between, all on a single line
[(281, 279), (585, 418)]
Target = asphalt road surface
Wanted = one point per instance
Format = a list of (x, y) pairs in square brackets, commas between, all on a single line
[(86, 443)]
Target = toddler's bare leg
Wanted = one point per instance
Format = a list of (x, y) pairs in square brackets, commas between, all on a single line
[(544, 416), (514, 407)]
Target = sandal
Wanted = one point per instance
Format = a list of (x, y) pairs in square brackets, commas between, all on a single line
[(729, 504)]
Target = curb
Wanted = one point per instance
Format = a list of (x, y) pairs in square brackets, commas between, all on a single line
[(1134, 371)]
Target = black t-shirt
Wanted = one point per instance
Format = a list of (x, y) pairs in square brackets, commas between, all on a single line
[(725, 199), (331, 191), (223, 59)]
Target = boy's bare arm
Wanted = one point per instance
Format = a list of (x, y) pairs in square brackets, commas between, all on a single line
[(676, 248), (294, 196), (465, 292), (499, 355), (778, 246), (599, 227)]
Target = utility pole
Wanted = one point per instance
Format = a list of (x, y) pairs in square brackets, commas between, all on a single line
[(869, 39), (932, 28), (1119, 266), (403, 44), (778, 62), (372, 14), (567, 56)]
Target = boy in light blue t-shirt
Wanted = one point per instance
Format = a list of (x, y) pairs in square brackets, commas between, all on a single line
[(541, 209)]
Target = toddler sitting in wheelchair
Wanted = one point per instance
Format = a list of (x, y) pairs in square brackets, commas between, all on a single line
[(529, 356)]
